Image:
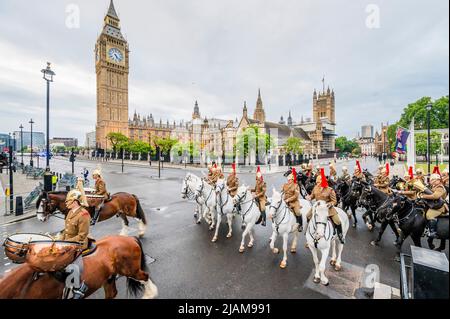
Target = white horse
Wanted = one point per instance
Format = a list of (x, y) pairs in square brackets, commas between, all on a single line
[(225, 206), (250, 214), (285, 223), (205, 195), (320, 236), (188, 187)]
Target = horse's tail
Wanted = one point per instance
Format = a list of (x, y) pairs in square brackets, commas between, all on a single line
[(135, 287), (139, 211)]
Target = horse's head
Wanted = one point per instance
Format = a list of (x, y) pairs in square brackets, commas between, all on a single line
[(185, 187), (241, 194), (365, 194), (320, 210), (46, 205), (396, 204), (275, 203), (220, 185)]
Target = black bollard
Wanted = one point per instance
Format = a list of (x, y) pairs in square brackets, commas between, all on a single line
[(19, 206)]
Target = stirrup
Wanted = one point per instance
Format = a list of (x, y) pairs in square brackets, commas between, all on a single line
[(80, 292)]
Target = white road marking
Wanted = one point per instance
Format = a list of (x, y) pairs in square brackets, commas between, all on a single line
[(7, 270), (7, 264)]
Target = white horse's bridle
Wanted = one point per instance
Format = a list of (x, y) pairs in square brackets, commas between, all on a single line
[(240, 198), (274, 216), (221, 204), (315, 223), (187, 190)]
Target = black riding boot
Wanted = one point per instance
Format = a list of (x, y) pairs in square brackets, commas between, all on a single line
[(432, 225), (339, 233), (94, 219), (300, 222), (78, 293), (263, 220)]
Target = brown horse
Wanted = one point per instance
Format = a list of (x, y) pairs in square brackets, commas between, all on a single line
[(121, 204), (115, 255)]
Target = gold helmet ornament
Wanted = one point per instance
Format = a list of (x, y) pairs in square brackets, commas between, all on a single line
[(73, 195)]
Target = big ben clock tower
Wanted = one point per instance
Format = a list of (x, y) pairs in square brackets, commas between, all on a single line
[(111, 66)]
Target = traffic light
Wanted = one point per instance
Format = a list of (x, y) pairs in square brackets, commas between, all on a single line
[(72, 157)]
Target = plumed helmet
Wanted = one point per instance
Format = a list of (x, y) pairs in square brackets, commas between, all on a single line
[(73, 195), (323, 179), (419, 171), (97, 171)]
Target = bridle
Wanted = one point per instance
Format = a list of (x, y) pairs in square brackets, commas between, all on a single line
[(315, 223), (221, 204), (187, 190), (198, 192), (274, 216), (240, 199)]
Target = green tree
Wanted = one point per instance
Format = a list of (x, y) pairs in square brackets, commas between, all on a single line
[(165, 144), (294, 145), (139, 147), (344, 145), (422, 142), (118, 140)]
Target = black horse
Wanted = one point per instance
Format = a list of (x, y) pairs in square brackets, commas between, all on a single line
[(343, 191), (402, 203), (302, 181), (397, 210)]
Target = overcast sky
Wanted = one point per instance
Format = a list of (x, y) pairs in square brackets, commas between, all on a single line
[(220, 52)]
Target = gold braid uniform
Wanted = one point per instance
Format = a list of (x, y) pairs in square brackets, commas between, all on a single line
[(260, 194), (232, 184), (76, 227), (291, 195), (382, 183), (329, 196), (438, 192)]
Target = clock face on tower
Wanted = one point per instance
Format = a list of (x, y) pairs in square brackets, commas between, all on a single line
[(115, 55)]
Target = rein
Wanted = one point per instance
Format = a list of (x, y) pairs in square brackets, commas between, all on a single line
[(277, 225), (221, 204), (248, 209)]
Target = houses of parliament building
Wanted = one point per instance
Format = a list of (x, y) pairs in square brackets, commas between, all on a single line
[(215, 136)]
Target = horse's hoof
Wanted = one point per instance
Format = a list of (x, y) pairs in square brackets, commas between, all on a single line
[(198, 222), (337, 267), (214, 239), (370, 227), (325, 283), (349, 216), (354, 225), (250, 245), (332, 262), (283, 265), (241, 249), (229, 235), (195, 216), (316, 280), (293, 251), (141, 235), (306, 245), (374, 243), (275, 250)]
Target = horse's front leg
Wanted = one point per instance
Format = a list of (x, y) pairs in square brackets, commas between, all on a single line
[(340, 247), (323, 260), (244, 234), (214, 214), (316, 263), (333, 253), (283, 263), (294, 242), (125, 228), (252, 239), (355, 221), (219, 220), (366, 220), (273, 238), (380, 233), (230, 224)]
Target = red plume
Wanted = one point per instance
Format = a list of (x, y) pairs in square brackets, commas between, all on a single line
[(233, 166), (411, 174), (258, 170), (436, 170), (294, 174), (215, 165), (324, 182), (387, 169), (359, 166)]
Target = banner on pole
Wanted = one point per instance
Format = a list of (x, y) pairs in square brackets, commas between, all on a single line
[(402, 137)]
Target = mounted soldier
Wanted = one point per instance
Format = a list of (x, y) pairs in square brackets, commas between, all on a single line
[(76, 229), (333, 172), (291, 193), (420, 176), (358, 173), (346, 177), (232, 181), (214, 175), (382, 180), (323, 192), (260, 194), (437, 192), (100, 190), (408, 188)]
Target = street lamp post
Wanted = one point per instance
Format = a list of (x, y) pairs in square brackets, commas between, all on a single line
[(48, 77), (31, 154), (21, 144), (428, 107)]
